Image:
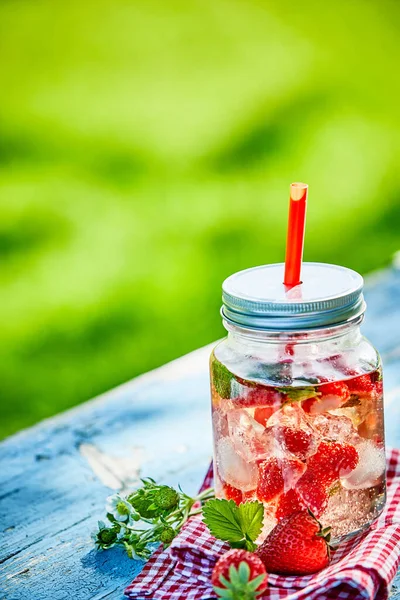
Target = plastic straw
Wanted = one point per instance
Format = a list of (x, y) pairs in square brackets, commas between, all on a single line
[(295, 234)]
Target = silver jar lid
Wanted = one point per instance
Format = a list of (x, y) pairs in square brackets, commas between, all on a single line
[(256, 298)]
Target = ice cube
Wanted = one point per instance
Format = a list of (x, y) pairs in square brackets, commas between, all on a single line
[(269, 522), (290, 415), (250, 439), (370, 467), (357, 413), (233, 469), (334, 427), (220, 424), (286, 422)]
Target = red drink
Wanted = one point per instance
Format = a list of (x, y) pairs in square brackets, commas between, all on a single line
[(319, 446)]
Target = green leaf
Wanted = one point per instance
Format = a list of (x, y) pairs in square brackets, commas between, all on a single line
[(298, 394), (221, 379), (234, 576), (222, 592), (244, 572), (221, 518), (251, 516), (111, 518), (241, 545), (238, 525), (254, 583)]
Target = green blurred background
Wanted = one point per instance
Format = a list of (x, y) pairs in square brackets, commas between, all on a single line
[(146, 152)]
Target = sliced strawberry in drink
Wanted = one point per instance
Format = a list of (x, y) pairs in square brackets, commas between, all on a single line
[(331, 461), (332, 396), (362, 386), (263, 413), (260, 396), (309, 404), (277, 474), (295, 440), (249, 496), (313, 493), (288, 504), (232, 493), (308, 493)]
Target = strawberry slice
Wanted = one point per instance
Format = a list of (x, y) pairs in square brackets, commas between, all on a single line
[(295, 440), (307, 494), (275, 475), (261, 396), (263, 413), (312, 493), (332, 395), (362, 386), (232, 493), (288, 504), (331, 461)]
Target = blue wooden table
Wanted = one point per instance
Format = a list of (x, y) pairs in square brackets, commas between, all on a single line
[(55, 477)]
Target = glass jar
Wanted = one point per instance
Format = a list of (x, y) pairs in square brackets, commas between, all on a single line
[(297, 402)]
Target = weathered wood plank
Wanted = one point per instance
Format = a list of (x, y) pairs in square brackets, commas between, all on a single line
[(54, 477)]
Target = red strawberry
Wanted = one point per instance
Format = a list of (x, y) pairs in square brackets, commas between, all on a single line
[(332, 395), (312, 493), (249, 496), (274, 475), (362, 385), (379, 388), (263, 413), (288, 504), (232, 493), (229, 566), (307, 494), (308, 404), (295, 440), (261, 396), (296, 546), (331, 461), (289, 349)]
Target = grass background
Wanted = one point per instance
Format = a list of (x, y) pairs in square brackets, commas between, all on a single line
[(146, 149)]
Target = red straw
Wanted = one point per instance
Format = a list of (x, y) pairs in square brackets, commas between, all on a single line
[(295, 234)]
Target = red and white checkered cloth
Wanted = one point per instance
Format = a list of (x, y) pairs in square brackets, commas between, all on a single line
[(361, 568)]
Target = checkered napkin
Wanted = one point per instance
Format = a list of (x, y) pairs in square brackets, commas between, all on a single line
[(361, 568)]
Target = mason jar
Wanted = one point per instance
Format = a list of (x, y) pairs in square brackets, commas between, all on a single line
[(297, 400)]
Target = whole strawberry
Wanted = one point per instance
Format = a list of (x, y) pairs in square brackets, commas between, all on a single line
[(239, 575), (166, 497), (298, 545)]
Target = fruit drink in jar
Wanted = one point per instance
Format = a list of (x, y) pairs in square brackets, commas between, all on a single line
[(297, 400)]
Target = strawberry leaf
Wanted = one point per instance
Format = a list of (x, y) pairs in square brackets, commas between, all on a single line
[(238, 525), (220, 516), (298, 394), (251, 516)]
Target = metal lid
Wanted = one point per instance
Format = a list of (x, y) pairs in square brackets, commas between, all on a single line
[(257, 299)]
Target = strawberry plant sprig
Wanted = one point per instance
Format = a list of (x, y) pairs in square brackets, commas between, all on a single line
[(151, 514)]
